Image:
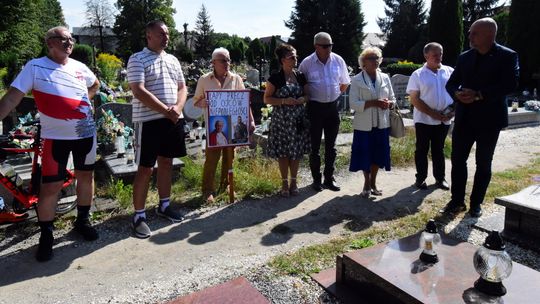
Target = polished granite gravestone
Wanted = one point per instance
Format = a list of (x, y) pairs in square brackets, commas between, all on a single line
[(392, 273), (522, 216), (237, 291)]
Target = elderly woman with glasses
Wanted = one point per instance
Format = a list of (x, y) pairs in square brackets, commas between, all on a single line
[(221, 78), (288, 139), (371, 96)]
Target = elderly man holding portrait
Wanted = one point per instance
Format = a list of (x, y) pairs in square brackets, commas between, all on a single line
[(371, 96), (221, 78)]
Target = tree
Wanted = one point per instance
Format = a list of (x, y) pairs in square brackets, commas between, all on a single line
[(131, 22), (445, 26), (502, 19), (523, 33), (342, 19), (255, 52), (402, 26), (23, 25), (203, 34), (274, 64), (99, 14), (474, 10)]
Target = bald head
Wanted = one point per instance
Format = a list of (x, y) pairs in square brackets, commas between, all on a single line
[(482, 34)]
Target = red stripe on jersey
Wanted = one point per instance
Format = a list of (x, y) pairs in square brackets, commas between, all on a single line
[(59, 107)]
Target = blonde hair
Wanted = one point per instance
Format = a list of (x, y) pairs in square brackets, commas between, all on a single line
[(369, 51)]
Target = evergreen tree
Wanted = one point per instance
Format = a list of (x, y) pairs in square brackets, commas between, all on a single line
[(342, 19), (274, 64), (255, 52), (523, 33), (502, 20), (474, 10), (445, 26), (51, 14), (203, 34), (402, 26), (22, 28), (131, 23)]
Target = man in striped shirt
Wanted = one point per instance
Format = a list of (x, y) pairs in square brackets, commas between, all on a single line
[(159, 91)]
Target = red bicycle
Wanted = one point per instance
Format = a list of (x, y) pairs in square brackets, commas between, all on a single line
[(26, 197)]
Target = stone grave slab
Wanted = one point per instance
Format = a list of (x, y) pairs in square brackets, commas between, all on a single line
[(118, 167), (522, 118), (399, 85), (392, 273), (522, 216), (237, 291)]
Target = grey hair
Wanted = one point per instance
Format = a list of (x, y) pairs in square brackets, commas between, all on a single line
[(368, 51), (320, 36), (54, 32), (489, 22), (432, 45), (220, 51)]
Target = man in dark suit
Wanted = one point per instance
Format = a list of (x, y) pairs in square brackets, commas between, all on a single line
[(483, 76)]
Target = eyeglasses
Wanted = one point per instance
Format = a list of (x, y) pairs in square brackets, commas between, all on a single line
[(374, 58), (325, 46), (64, 40), (292, 57)]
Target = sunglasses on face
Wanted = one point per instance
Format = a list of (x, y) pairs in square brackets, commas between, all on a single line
[(325, 46), (64, 40), (372, 58)]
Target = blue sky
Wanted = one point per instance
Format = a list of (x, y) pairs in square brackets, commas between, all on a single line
[(254, 18)]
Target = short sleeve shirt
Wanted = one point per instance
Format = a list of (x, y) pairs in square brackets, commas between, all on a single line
[(160, 73), (61, 95), (324, 79), (432, 90)]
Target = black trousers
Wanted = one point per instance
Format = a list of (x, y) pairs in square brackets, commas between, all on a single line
[(463, 138), (324, 117), (430, 136)]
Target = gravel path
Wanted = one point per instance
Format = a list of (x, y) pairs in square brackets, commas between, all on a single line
[(213, 246)]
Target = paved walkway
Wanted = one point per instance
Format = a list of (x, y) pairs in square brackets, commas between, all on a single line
[(211, 247)]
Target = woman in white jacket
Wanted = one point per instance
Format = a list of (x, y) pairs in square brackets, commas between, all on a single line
[(371, 96)]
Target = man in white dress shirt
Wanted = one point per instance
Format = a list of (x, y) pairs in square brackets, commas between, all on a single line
[(432, 113), (327, 77)]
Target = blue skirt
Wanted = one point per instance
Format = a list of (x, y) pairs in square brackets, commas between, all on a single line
[(370, 147)]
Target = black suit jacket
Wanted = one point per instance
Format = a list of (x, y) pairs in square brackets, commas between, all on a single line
[(495, 74)]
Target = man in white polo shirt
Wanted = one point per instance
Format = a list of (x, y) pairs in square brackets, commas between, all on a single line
[(327, 77), (432, 114), (159, 90)]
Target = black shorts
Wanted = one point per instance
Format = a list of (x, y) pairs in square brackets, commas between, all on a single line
[(160, 137), (56, 153)]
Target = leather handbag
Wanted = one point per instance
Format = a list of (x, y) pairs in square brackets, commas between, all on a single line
[(397, 127)]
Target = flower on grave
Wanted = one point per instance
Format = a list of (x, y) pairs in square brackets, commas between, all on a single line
[(107, 127), (266, 111), (532, 105)]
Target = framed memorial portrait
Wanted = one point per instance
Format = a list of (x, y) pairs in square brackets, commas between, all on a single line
[(228, 118)]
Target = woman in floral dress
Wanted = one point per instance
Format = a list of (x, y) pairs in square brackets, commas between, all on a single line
[(288, 139)]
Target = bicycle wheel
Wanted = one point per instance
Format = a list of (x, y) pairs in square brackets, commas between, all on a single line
[(67, 199)]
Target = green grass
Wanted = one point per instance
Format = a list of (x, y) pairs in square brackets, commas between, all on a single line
[(402, 149), (314, 258), (346, 125)]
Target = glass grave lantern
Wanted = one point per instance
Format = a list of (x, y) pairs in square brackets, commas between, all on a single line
[(493, 264), (429, 241)]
